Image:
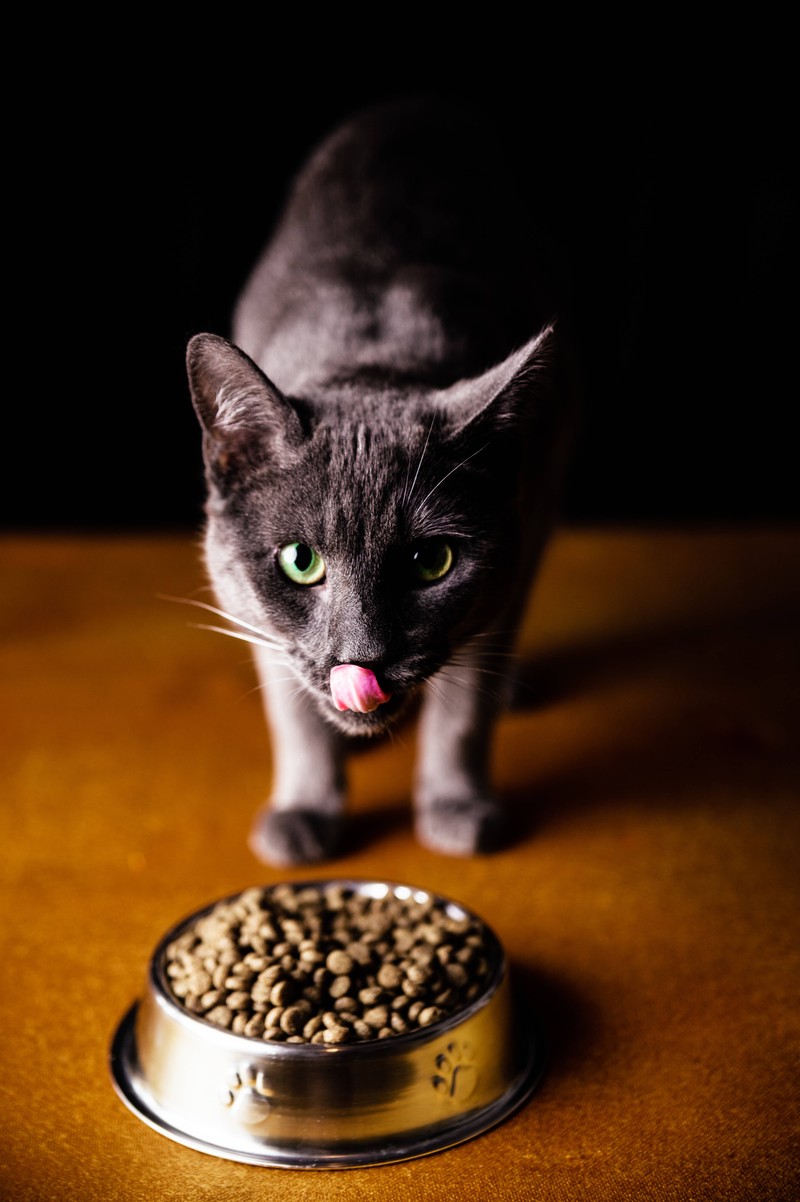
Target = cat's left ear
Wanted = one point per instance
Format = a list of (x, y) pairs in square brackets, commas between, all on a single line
[(519, 387), (243, 414)]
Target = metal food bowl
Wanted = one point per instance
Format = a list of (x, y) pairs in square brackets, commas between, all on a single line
[(318, 1106)]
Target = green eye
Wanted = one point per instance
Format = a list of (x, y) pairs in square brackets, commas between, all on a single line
[(432, 560), (301, 563)]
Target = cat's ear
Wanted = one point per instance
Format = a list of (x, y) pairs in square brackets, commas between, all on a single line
[(242, 413), (506, 394)]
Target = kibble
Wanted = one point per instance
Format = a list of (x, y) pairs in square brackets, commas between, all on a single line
[(238, 1000), (338, 962), (328, 964)]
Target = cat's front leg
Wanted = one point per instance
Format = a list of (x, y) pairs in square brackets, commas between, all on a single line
[(302, 822), (456, 812)]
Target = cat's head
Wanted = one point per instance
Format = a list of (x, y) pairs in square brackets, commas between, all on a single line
[(375, 526)]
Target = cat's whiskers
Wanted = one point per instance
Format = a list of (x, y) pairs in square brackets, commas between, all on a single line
[(235, 634), (263, 688), (472, 671), (501, 652), (474, 651), (246, 633), (432, 684), (447, 475), (504, 638), (409, 492), (496, 647), (395, 737), (474, 687), (500, 672), (482, 669), (469, 686)]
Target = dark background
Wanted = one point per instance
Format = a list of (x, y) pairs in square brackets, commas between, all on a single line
[(146, 195)]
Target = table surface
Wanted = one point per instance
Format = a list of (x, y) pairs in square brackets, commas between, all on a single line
[(648, 902)]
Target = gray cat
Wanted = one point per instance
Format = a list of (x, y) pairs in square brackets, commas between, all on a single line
[(383, 441)]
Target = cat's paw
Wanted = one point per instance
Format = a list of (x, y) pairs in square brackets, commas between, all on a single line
[(287, 837), (462, 827)]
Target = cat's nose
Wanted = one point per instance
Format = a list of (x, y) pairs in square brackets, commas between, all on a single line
[(356, 688)]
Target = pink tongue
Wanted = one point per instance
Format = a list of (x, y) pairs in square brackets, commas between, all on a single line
[(356, 689)]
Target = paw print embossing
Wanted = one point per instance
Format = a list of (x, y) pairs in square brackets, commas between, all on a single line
[(248, 1097), (457, 1076)]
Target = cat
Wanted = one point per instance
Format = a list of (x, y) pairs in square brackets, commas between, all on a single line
[(384, 437)]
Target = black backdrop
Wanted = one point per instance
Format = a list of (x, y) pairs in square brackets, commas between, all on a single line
[(152, 195)]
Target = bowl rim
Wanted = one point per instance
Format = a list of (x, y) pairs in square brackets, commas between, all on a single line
[(172, 1006)]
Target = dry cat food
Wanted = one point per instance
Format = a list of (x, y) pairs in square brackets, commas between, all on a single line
[(328, 964)]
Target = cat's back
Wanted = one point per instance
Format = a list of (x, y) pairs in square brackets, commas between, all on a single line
[(406, 181), (404, 245)]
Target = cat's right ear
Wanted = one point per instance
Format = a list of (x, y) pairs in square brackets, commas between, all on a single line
[(245, 418)]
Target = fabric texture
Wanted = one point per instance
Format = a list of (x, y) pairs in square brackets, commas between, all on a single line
[(648, 902)]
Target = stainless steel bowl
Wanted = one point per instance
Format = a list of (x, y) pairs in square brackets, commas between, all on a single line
[(323, 1107)]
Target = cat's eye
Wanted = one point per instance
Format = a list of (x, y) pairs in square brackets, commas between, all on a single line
[(301, 563), (432, 559)]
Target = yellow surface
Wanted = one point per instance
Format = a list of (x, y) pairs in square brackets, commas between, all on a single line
[(649, 904)]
